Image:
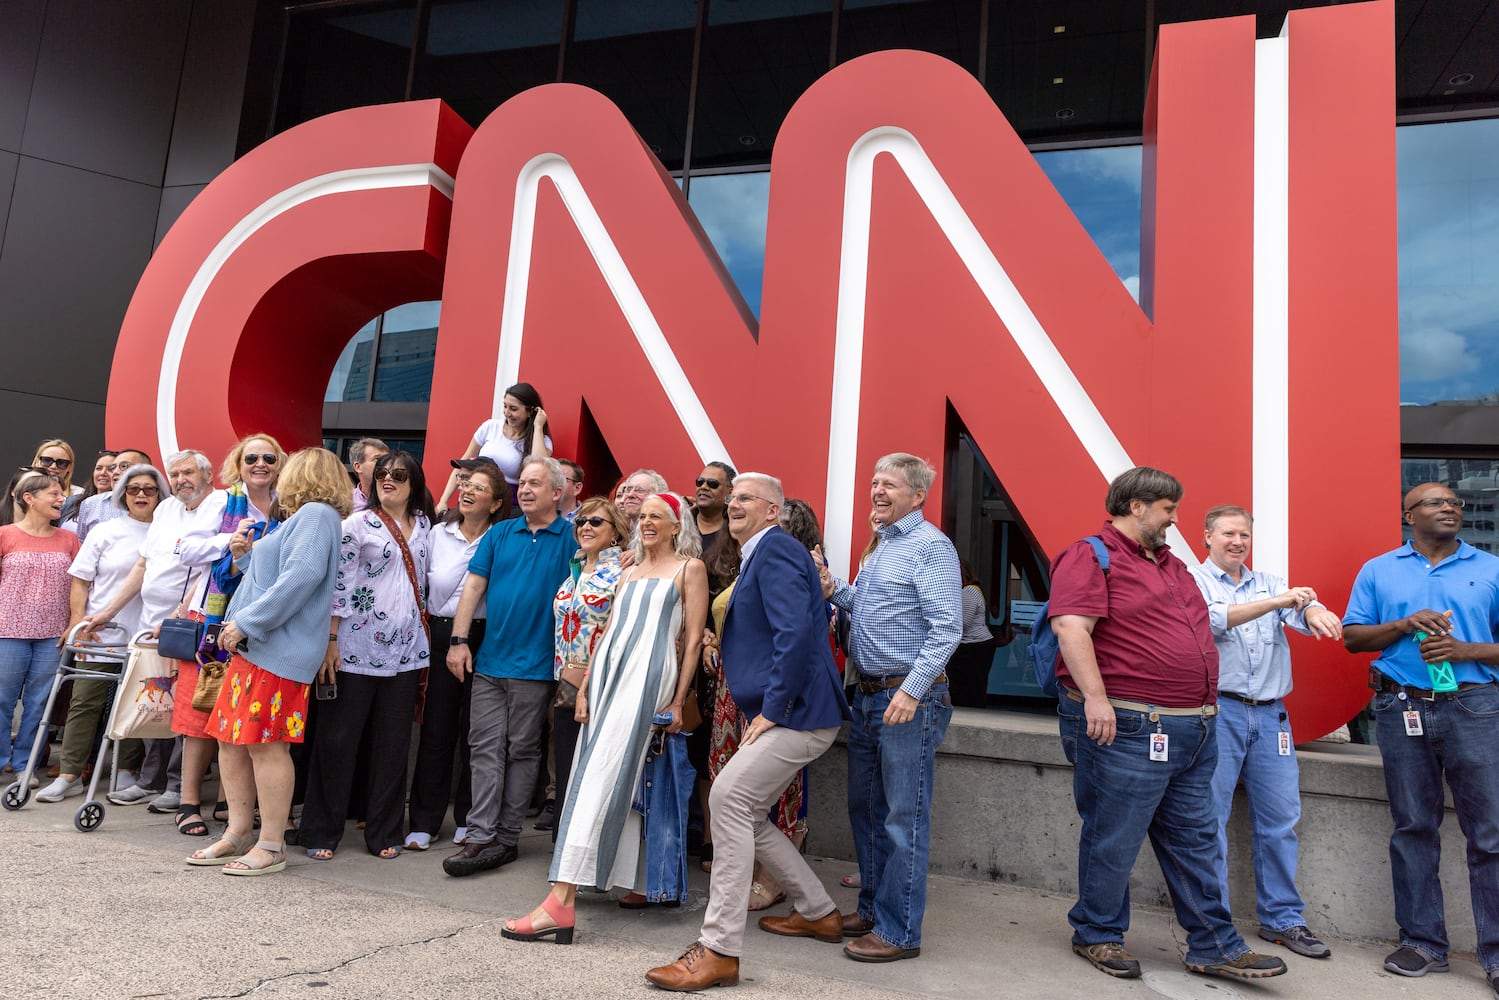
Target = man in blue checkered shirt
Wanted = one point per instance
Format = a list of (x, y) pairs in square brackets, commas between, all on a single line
[(907, 609)]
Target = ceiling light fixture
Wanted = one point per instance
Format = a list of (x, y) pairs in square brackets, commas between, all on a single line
[(1066, 113), (1460, 80), (747, 140), (1056, 79)]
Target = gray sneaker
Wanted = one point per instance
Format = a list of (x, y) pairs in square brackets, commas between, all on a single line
[(166, 802), (132, 796), (1299, 939), (1407, 961), (1249, 965), (60, 789)]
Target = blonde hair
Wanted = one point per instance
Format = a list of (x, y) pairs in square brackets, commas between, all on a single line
[(67, 477), (604, 507), (229, 471), (312, 475)]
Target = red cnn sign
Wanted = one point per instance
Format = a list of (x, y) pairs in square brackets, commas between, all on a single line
[(916, 258)]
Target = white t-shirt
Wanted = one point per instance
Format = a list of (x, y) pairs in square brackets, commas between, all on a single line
[(502, 451), (108, 555), (446, 568), (180, 543)]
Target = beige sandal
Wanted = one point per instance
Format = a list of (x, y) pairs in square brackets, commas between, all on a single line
[(205, 858), (276, 864)]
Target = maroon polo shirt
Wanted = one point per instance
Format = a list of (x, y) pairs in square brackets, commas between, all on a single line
[(1152, 638)]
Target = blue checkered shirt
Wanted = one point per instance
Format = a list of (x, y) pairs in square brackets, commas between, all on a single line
[(906, 605)]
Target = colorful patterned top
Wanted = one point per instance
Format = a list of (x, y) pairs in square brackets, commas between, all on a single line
[(34, 582), (581, 607), (380, 630)]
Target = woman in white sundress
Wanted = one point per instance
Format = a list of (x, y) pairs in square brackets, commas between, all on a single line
[(655, 627)]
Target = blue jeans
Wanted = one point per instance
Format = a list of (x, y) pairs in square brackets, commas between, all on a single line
[(1460, 741), (27, 667), (1249, 750), (890, 772), (1122, 795)]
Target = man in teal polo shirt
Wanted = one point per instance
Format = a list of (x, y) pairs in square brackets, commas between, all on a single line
[(516, 569), (1430, 609)]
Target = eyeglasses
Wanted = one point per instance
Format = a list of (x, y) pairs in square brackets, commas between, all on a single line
[(1437, 503), (61, 464), (141, 491), (575, 482), (249, 459), (628, 490), (593, 522), (712, 484), (467, 486), (396, 475), (747, 497)]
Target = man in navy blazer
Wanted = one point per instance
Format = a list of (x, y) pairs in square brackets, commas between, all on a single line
[(779, 667)]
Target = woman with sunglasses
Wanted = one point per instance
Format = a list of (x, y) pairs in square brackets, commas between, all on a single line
[(642, 667), (103, 564), (55, 457), (507, 440), (101, 481), (34, 561), (483, 500), (379, 635)]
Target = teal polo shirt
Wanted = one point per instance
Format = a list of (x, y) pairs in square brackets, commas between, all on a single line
[(1401, 582), (524, 569)]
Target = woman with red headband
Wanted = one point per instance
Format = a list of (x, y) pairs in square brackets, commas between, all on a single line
[(642, 667)]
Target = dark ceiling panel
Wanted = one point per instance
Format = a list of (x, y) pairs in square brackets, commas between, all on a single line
[(20, 38)]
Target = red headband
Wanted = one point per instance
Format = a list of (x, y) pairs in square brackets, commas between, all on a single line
[(673, 503)]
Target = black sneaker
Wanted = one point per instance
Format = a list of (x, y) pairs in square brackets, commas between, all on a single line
[(1249, 965), (1110, 958), (1299, 939), (548, 817), (1407, 961), (475, 858)]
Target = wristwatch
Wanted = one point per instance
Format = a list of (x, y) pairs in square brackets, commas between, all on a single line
[(458, 640)]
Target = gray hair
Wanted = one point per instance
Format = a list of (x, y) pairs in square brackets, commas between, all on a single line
[(689, 540), (358, 448), (163, 490), (658, 481), (1144, 484), (200, 459), (917, 472), (771, 483), (1226, 510), (553, 467)]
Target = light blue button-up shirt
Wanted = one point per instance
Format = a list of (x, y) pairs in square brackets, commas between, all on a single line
[(1253, 658), (907, 605)]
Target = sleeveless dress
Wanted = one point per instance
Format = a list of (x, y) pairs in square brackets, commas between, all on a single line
[(633, 676)]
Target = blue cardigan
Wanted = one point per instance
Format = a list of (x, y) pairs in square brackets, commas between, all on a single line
[(285, 599)]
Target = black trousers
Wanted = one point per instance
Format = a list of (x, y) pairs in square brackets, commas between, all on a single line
[(968, 674), (385, 706), (565, 732), (436, 779)]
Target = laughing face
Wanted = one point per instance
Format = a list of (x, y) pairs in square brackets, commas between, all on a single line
[(657, 527), (1228, 542), (258, 464), (892, 498)]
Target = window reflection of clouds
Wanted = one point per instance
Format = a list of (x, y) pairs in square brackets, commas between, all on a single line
[(732, 209), (1448, 181)]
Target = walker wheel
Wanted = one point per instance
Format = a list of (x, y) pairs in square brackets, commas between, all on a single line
[(88, 817), (16, 796)]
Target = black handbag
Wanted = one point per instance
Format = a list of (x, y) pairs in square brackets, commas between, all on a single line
[(180, 637)]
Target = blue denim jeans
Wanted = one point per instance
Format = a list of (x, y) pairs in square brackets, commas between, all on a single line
[(890, 773), (27, 667), (666, 785), (1460, 741), (1122, 796), (1249, 750)]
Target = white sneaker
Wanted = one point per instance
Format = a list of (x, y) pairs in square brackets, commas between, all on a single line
[(60, 789), (132, 796), (418, 841), (460, 836)]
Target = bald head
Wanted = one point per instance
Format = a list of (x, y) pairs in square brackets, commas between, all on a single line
[(1425, 490)]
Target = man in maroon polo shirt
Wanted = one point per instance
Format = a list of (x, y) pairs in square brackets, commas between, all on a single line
[(1139, 690)]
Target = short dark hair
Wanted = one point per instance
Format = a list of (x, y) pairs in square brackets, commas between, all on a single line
[(574, 467), (1144, 484)]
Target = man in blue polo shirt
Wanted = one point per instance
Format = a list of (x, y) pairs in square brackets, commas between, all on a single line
[(1434, 602), (516, 570)]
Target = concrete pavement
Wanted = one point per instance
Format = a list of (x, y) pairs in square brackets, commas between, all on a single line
[(115, 913)]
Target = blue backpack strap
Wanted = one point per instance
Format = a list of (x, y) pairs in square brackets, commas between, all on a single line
[(1101, 552)]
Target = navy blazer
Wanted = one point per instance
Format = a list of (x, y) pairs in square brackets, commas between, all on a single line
[(776, 655)]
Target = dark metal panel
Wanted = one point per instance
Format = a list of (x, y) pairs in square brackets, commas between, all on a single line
[(76, 244), (206, 127), (26, 418), (8, 164), (106, 86), (20, 38)]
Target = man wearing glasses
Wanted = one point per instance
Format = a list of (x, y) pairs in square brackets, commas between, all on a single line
[(1430, 610), (709, 502), (100, 508), (572, 489)]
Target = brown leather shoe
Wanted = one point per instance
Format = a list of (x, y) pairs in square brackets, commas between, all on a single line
[(697, 969), (828, 928), (856, 926), (872, 948)]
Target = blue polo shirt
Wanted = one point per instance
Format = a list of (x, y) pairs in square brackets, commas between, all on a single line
[(1394, 585), (524, 569)]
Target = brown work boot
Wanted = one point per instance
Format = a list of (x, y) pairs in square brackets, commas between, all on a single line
[(828, 929), (697, 969), (856, 926)]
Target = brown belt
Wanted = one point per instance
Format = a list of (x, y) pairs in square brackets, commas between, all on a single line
[(874, 685), (1381, 683), (1206, 711)]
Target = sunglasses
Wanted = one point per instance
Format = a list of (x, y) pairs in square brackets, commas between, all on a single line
[(249, 459), (396, 475), (593, 522), (46, 461), (141, 491), (712, 484)]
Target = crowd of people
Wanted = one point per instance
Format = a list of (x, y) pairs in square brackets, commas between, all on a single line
[(647, 663)]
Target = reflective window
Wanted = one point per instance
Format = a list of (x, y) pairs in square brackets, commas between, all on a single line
[(480, 53), (337, 59), (1102, 187), (390, 359), (350, 382), (733, 209)]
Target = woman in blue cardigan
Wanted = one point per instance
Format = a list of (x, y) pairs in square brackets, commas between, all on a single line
[(275, 626)]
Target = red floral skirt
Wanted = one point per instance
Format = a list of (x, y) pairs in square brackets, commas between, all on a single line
[(256, 706)]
